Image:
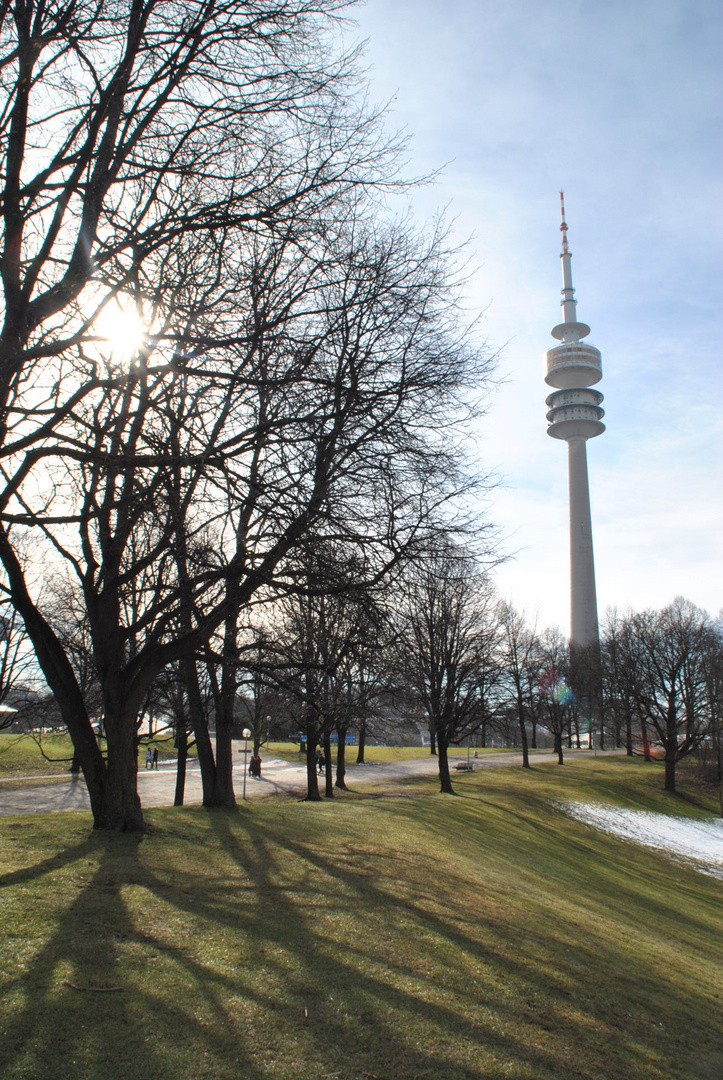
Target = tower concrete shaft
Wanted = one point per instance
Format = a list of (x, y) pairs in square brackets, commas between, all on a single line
[(583, 599), (575, 415)]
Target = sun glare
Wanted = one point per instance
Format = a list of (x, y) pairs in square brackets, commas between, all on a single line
[(121, 332)]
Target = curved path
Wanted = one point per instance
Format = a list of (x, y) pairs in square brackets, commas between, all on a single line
[(156, 788)]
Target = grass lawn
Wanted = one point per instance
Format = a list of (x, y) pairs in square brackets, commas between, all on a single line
[(25, 755), (373, 937), (372, 754), (51, 754)]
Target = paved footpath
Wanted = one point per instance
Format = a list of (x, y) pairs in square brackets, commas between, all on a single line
[(157, 787)]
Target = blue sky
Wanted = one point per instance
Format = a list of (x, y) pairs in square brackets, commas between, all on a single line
[(620, 104)]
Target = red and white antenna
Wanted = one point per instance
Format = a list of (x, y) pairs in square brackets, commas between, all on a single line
[(563, 227), (570, 327)]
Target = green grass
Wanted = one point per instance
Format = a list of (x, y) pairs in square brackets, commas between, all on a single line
[(396, 937), (23, 755), (51, 754), (289, 751)]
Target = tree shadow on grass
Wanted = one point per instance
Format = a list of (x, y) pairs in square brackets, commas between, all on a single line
[(292, 949), (626, 1011), (82, 1003)]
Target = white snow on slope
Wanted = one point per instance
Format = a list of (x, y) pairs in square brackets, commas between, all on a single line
[(698, 842)]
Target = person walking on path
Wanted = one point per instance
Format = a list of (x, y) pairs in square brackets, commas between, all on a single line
[(155, 757), (149, 758)]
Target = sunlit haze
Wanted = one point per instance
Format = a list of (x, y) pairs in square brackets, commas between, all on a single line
[(120, 330)]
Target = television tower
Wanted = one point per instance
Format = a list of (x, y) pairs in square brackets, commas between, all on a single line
[(575, 416)]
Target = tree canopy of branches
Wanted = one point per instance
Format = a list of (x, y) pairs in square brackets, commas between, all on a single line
[(206, 173), (447, 638), (324, 637), (670, 677)]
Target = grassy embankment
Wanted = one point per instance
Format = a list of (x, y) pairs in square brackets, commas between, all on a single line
[(390, 936), (25, 755)]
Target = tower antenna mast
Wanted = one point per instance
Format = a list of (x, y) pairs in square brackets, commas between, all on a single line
[(563, 227), (575, 415)]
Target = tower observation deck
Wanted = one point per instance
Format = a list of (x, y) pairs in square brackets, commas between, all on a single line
[(575, 415)]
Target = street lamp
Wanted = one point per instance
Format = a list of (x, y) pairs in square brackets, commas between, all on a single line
[(246, 736)]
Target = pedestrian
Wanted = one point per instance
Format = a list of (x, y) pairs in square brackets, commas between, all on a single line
[(322, 762), (155, 757), (149, 758)]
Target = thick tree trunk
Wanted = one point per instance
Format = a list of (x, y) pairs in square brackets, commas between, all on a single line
[(225, 701), (534, 735), (432, 741), (340, 781), (204, 748), (224, 794), (670, 763), (120, 808), (182, 745), (523, 735), (328, 777), (362, 743), (558, 747), (312, 778), (445, 780)]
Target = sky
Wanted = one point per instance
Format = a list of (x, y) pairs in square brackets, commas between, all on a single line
[(621, 105)]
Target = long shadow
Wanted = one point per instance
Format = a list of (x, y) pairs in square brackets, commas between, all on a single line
[(278, 912), (532, 963), (61, 859), (623, 880), (84, 1010), (314, 974)]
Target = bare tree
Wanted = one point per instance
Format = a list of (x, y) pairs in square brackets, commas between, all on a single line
[(520, 664), (445, 634), (169, 130), (670, 686), (620, 663), (713, 683), (345, 406), (556, 695), (322, 633)]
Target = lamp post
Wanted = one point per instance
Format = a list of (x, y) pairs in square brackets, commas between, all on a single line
[(246, 736)]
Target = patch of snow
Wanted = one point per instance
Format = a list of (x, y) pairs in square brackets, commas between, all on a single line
[(698, 842)]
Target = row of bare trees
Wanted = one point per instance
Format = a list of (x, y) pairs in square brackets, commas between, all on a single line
[(337, 653), (433, 641), (218, 348), (233, 394), (663, 677)]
